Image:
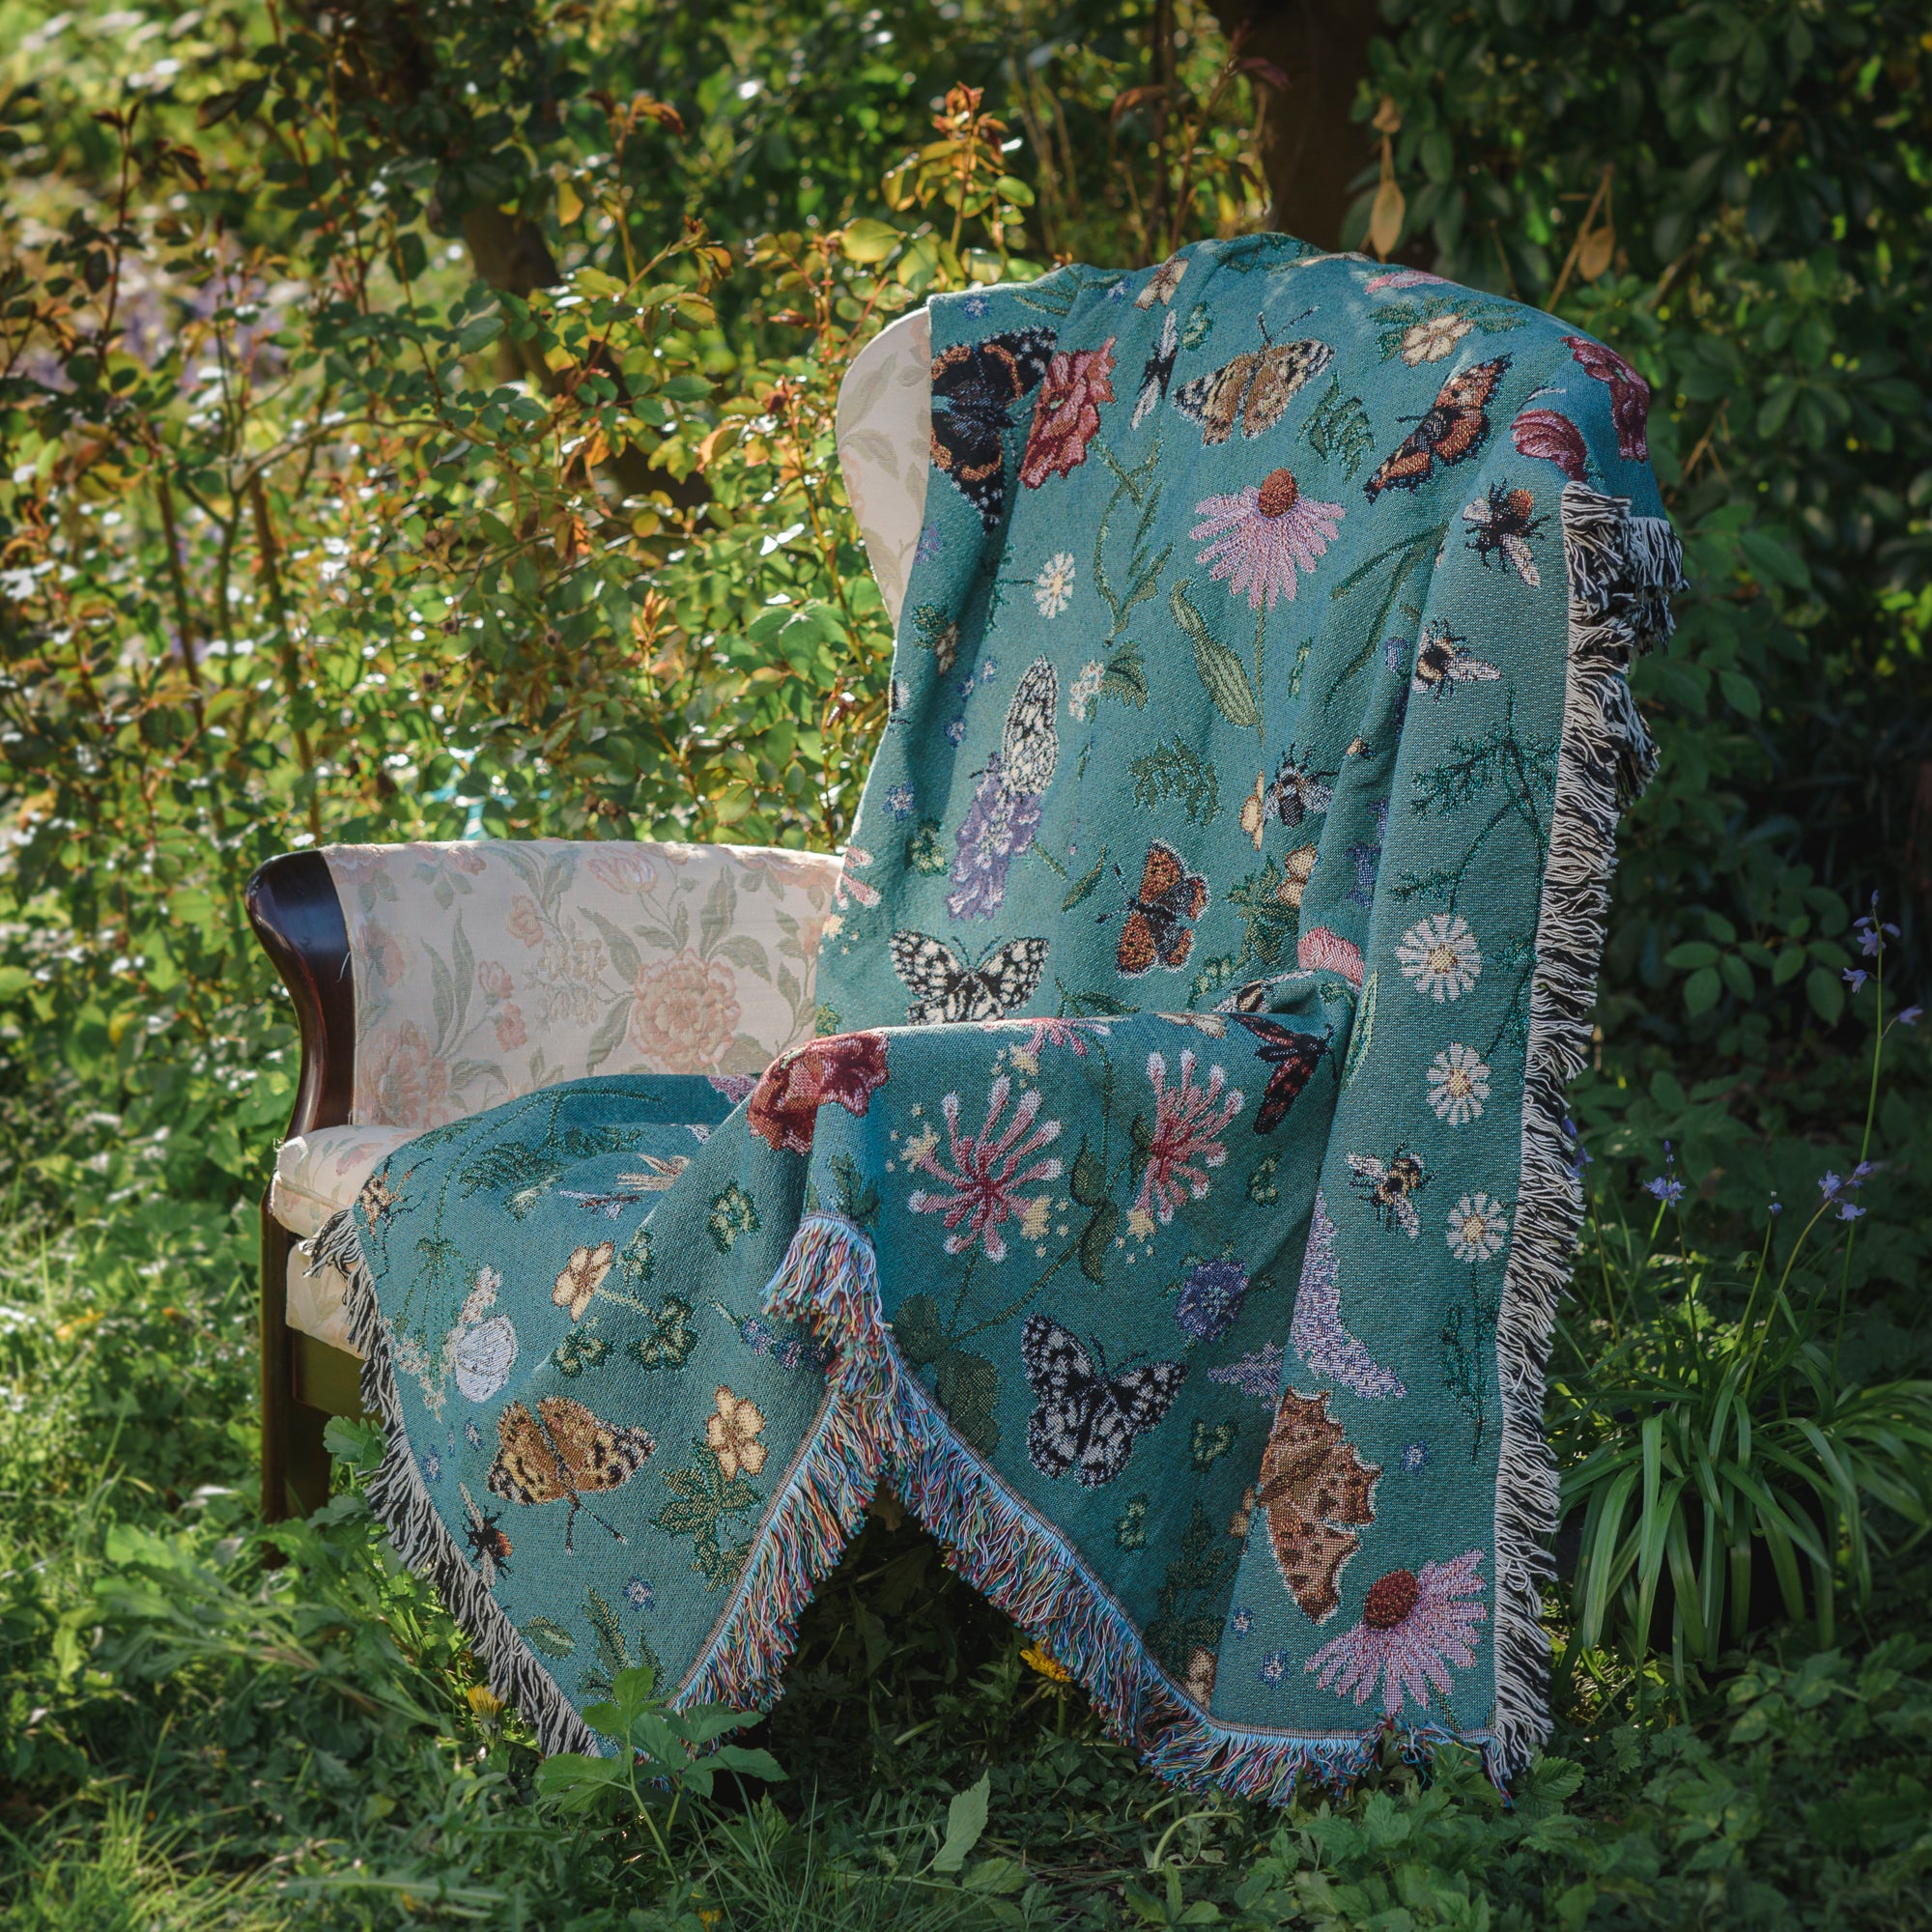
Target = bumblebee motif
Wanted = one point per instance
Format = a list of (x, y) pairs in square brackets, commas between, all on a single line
[(1389, 1187)]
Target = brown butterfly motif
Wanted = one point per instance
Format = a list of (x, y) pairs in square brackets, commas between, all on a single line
[(1451, 432), (1294, 1057), (1159, 927), (560, 1453), (1253, 390), (1317, 1492)]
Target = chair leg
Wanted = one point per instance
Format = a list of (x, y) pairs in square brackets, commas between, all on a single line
[(278, 1395)]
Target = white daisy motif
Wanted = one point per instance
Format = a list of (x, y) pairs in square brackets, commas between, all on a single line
[(1477, 1227), (1432, 340), (1459, 1083), (1438, 954), (1053, 587)]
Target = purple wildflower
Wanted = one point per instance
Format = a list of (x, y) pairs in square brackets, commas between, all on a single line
[(1910, 1018), (1664, 1187), (1847, 1211), (1210, 1298), (1855, 978), (998, 827)]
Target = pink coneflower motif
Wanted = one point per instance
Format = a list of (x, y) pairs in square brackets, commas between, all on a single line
[(1188, 1121), (1262, 534), (990, 1165), (1412, 1628), (1067, 413)]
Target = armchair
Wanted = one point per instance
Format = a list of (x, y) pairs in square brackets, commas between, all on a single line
[(432, 981)]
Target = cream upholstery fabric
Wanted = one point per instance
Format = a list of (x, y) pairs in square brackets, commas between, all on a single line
[(884, 437), (484, 971), (320, 1172)]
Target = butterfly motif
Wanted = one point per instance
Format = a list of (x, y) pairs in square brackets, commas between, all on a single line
[(1629, 394), (1157, 926), (1451, 432), (1443, 660), (1087, 1419), (1253, 390), (1389, 1186), (1030, 740), (1294, 1057), (1159, 370), (1317, 1492), (559, 1453), (975, 386), (945, 988)]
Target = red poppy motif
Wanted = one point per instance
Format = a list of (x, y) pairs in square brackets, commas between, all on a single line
[(1629, 394), (1067, 413), (848, 1067), (1554, 437)]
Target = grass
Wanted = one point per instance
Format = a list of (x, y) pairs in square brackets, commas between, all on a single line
[(190, 1741)]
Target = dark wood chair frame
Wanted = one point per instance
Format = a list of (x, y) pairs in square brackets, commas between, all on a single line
[(293, 906)]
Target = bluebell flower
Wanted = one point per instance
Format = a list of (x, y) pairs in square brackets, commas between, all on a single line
[(1911, 1016), (955, 731), (930, 543), (1848, 1212), (899, 800), (1829, 1184), (1855, 979), (1414, 1457), (639, 1595), (472, 1435), (1244, 1622), (1274, 1667), (1664, 1187), (975, 306), (432, 1466)]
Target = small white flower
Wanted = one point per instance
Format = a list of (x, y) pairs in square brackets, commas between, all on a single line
[(1459, 1083), (1085, 691), (1432, 340), (1053, 587), (1438, 954), (1477, 1227)]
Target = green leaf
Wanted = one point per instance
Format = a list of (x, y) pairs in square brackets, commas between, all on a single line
[(868, 240), (965, 1822), (1219, 668), (1702, 990), (1098, 1239), (1826, 993), (479, 333)]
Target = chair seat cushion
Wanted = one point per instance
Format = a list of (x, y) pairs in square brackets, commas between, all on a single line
[(318, 1173)]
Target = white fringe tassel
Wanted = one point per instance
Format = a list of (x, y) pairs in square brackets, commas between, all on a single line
[(1622, 571)]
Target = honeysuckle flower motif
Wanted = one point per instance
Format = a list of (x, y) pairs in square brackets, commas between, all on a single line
[(1262, 534), (1188, 1123), (1162, 283), (988, 1169), (1415, 1625), (580, 1277), (1459, 1083), (1053, 587), (732, 1435), (1438, 955), (1432, 340), (1478, 1227), (1057, 1033)]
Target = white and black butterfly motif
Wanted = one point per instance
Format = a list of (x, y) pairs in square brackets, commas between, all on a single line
[(1030, 741), (1159, 370), (945, 988), (1087, 1419)]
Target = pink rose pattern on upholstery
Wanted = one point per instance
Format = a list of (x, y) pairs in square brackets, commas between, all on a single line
[(319, 1171), (486, 970)]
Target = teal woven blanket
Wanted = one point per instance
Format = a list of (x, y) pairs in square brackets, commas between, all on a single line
[(1176, 1206)]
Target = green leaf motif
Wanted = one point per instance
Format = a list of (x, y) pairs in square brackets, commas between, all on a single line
[(1177, 770), (1338, 428), (1362, 1036), (1098, 1239), (1219, 668), (967, 1386), (1088, 1183), (549, 1638)]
